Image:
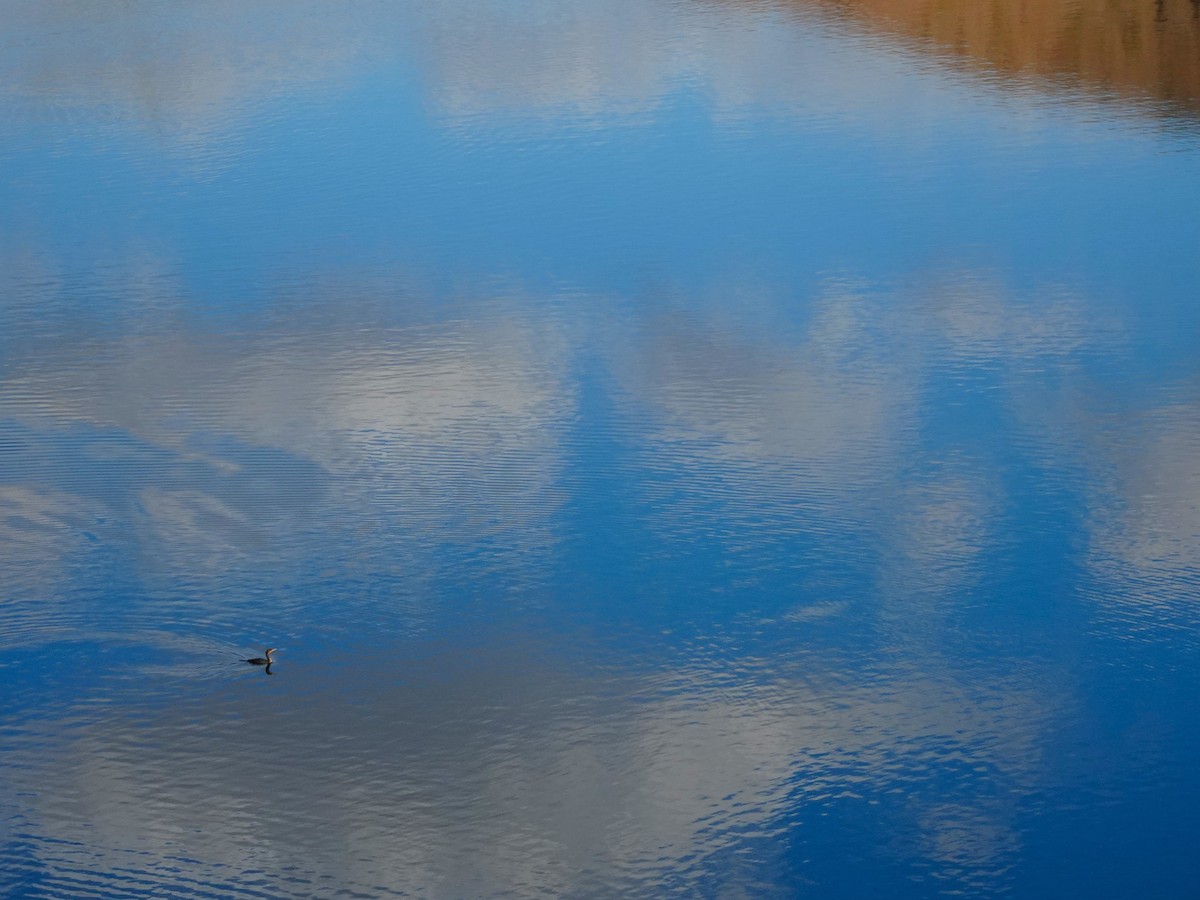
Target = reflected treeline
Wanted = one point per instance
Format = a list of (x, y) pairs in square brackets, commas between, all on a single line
[(1136, 46)]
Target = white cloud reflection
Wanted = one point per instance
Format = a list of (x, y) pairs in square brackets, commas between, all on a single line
[(185, 73), (1145, 517), (561, 792)]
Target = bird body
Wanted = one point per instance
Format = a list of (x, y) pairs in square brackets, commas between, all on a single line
[(260, 660)]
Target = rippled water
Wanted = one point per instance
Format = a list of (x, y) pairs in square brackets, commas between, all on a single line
[(681, 448)]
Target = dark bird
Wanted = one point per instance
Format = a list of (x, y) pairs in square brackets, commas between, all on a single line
[(262, 661)]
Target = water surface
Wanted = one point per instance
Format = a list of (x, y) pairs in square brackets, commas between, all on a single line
[(681, 448)]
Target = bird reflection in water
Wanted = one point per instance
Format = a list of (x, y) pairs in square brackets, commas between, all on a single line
[(265, 660)]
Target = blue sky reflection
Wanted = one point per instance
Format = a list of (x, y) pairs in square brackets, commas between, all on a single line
[(676, 447)]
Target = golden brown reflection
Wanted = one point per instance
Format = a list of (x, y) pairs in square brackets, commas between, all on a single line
[(1131, 46)]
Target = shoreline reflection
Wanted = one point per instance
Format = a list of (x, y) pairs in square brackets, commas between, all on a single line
[(1125, 46)]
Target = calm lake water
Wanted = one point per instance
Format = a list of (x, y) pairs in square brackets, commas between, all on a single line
[(694, 448)]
